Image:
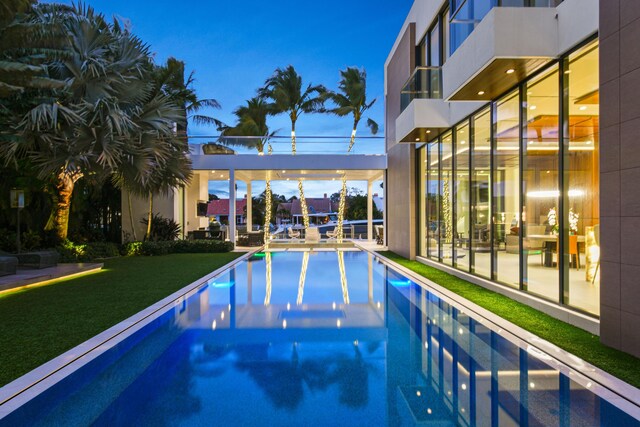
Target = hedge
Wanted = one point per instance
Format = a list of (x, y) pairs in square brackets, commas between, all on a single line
[(176, 247)]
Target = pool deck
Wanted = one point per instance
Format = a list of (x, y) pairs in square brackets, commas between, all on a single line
[(26, 277)]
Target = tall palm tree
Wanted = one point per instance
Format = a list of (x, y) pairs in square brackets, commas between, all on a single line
[(284, 91), (251, 122), (92, 125), (171, 81), (350, 100)]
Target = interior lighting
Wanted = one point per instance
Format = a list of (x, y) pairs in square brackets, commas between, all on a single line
[(417, 139), (428, 131), (583, 108), (510, 71), (553, 193), (533, 107), (481, 93)]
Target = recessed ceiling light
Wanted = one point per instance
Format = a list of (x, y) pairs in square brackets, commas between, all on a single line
[(417, 139), (220, 175), (588, 142), (213, 171), (510, 71), (567, 72), (284, 171), (463, 142), (428, 131), (533, 107), (583, 108), (481, 93)]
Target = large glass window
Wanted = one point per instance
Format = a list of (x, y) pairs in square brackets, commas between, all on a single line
[(446, 191), (582, 181), (424, 200), (433, 201), (462, 213), (540, 196), (506, 194), (481, 194), (434, 46)]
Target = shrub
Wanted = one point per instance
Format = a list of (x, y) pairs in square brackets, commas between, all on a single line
[(72, 252), (30, 241), (178, 247), (131, 248), (162, 229)]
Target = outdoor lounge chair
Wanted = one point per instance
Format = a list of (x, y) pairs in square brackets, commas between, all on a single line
[(293, 234), (312, 236), (38, 259), (332, 234), (8, 265)]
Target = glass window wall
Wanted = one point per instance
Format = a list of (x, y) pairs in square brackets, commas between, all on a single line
[(462, 211), (582, 181), (511, 193), (481, 194), (506, 192), (540, 195), (446, 190)]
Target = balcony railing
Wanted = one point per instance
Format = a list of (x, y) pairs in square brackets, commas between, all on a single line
[(466, 14), (280, 144), (424, 83)]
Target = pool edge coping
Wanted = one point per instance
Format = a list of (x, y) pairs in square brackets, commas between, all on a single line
[(26, 387), (615, 385)]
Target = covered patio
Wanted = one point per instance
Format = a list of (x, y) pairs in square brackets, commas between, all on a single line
[(249, 169)]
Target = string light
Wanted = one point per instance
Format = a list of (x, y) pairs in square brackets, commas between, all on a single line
[(267, 214), (303, 276), (343, 277), (267, 296), (341, 208)]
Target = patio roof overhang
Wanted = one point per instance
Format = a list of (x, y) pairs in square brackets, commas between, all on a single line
[(312, 167)]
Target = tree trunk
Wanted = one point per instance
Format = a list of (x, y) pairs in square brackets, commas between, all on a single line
[(267, 213), (133, 226), (343, 191), (149, 218), (293, 137), (64, 186), (353, 138), (303, 206)]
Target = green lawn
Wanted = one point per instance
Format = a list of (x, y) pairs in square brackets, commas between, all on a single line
[(574, 340), (41, 323)]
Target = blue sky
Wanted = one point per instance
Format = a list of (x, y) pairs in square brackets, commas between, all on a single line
[(233, 46)]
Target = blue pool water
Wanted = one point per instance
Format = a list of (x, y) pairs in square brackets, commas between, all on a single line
[(330, 339)]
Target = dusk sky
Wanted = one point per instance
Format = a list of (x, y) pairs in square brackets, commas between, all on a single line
[(233, 46)]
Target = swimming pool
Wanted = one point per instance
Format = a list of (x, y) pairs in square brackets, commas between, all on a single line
[(324, 338)]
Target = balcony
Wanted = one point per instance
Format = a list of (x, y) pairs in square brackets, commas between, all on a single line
[(424, 83), (467, 14)]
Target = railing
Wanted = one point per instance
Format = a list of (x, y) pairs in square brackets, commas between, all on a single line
[(466, 14), (317, 145), (424, 83)]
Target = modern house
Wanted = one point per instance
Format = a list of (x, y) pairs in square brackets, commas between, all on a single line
[(499, 168)]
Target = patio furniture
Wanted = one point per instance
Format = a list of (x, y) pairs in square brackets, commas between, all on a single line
[(8, 265), (293, 234), (312, 236), (332, 234), (380, 235), (574, 254), (38, 259)]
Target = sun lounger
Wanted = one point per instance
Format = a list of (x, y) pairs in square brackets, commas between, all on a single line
[(38, 259), (8, 265)]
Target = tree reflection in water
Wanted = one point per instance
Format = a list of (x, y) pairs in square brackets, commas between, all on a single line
[(284, 381)]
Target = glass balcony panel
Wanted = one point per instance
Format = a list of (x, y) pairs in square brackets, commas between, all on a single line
[(424, 83)]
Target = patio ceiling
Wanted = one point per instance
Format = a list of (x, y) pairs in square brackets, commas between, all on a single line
[(295, 174)]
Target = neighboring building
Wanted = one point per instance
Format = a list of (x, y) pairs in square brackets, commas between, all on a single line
[(219, 209), (318, 209), (496, 157)]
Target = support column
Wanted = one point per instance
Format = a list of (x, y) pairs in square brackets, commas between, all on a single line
[(384, 209), (203, 195), (249, 207), (232, 206), (370, 210)]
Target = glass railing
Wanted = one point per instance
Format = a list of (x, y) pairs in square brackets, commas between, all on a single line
[(468, 13), (279, 145), (424, 83)]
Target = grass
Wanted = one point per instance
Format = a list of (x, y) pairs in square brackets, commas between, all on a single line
[(41, 323), (570, 338)]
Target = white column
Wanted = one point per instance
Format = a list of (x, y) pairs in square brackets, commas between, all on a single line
[(249, 206), (384, 208), (203, 195), (370, 210), (232, 206)]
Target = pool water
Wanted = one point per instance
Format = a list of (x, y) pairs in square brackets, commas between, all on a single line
[(317, 338)]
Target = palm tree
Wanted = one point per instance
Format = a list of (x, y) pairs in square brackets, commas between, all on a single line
[(171, 81), (284, 91), (251, 122), (93, 125), (351, 99), (28, 32)]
